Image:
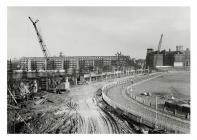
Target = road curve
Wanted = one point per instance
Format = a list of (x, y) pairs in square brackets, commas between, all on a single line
[(117, 95)]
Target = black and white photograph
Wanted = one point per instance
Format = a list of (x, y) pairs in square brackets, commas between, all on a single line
[(98, 70)]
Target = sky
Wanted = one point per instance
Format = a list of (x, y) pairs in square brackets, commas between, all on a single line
[(96, 31)]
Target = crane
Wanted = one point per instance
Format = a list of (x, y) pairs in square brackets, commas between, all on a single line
[(158, 49), (160, 41), (46, 55), (40, 40)]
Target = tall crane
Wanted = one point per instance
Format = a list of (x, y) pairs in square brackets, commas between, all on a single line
[(40, 40), (158, 49), (160, 41), (59, 87)]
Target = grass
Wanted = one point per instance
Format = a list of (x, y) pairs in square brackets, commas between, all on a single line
[(175, 84)]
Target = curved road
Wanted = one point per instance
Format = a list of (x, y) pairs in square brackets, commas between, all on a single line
[(117, 94)]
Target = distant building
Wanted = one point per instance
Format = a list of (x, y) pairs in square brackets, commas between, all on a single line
[(150, 58), (9, 65), (169, 58), (33, 63), (55, 63), (13, 65), (178, 58), (179, 48), (158, 60), (187, 57), (72, 64)]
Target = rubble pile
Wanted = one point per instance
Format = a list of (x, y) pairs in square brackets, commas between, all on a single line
[(43, 118)]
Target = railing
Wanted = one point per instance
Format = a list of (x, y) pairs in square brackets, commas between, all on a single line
[(180, 127)]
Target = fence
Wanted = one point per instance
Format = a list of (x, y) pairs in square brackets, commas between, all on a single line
[(179, 125)]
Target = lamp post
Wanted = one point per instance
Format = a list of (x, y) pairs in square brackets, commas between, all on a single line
[(156, 112)]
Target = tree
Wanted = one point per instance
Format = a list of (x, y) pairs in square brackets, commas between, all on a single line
[(140, 63), (121, 62)]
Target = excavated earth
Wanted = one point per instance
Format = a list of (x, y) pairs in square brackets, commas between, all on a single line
[(80, 111)]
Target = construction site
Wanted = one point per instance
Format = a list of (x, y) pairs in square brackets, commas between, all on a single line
[(66, 95), (50, 100)]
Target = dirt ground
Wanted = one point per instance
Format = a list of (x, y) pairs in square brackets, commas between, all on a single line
[(73, 112)]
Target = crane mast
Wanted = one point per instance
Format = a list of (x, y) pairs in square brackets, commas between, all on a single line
[(40, 40), (159, 45), (158, 49), (49, 63)]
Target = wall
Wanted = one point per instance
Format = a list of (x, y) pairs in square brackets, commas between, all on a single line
[(141, 119)]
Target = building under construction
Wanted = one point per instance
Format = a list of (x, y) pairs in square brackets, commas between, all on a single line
[(177, 58)]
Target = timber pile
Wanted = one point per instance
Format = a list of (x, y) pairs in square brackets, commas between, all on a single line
[(40, 115)]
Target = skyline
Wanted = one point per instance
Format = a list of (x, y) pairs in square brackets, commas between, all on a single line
[(99, 31)]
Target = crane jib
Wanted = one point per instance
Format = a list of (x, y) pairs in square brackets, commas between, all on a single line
[(40, 40)]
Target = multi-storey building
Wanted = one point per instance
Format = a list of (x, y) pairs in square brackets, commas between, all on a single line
[(33, 63), (70, 64), (13, 64), (178, 58), (187, 57), (55, 63)]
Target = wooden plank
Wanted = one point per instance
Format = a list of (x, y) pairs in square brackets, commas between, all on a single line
[(12, 96)]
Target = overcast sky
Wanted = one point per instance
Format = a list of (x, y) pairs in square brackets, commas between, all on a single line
[(94, 31)]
